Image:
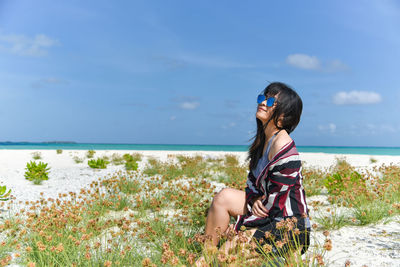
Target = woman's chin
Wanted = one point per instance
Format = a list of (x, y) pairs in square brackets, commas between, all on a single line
[(261, 117)]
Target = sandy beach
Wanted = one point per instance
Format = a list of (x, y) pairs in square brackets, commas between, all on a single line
[(371, 245)]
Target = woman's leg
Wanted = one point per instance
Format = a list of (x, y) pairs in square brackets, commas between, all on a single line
[(228, 202)]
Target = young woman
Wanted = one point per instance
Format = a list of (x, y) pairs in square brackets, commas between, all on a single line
[(274, 189)]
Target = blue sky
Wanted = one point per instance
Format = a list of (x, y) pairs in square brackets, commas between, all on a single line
[(186, 72)]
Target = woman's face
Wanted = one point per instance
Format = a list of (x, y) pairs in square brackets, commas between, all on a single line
[(264, 110)]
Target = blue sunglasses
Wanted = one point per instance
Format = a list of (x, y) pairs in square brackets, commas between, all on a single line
[(270, 100)]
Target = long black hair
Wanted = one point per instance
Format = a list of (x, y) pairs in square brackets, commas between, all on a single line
[(287, 112)]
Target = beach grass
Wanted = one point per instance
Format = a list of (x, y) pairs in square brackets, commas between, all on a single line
[(77, 159), (156, 216), (36, 155), (313, 181), (90, 154)]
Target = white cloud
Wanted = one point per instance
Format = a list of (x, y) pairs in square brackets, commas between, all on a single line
[(331, 127), (356, 98), (303, 61), (26, 46), (189, 105), (307, 62), (187, 102)]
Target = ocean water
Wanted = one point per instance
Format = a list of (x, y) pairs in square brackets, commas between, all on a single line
[(313, 149)]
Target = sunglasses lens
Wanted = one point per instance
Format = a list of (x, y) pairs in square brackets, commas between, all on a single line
[(260, 99), (270, 101)]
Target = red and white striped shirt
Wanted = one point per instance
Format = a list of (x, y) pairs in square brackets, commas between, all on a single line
[(281, 183)]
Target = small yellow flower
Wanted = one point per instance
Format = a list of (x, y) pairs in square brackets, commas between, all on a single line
[(279, 244), (267, 235), (328, 245), (267, 248), (60, 248)]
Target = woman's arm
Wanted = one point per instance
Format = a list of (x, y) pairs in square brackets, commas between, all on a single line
[(254, 197), (282, 176), (252, 192)]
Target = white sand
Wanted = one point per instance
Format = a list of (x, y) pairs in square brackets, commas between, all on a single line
[(377, 245)]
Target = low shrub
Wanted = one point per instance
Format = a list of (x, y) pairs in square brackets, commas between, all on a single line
[(236, 173), (90, 154), (117, 159), (313, 181), (4, 195), (98, 163), (344, 179), (133, 156), (337, 182), (37, 172), (59, 151), (37, 155), (78, 159), (131, 165), (130, 162)]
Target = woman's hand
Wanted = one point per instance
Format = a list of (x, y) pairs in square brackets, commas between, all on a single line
[(258, 208)]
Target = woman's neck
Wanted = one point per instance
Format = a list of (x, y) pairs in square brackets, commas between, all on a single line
[(269, 131)]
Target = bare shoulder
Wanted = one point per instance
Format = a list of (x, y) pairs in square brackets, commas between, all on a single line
[(280, 141)]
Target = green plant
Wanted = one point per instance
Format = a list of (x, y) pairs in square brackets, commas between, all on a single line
[(333, 220), (111, 223), (131, 165), (119, 203), (372, 212), (4, 195), (37, 155), (59, 151), (37, 172), (235, 172), (130, 162), (373, 160), (98, 163), (228, 170), (90, 154), (78, 159), (117, 159), (344, 179), (338, 182), (133, 156), (313, 181), (129, 186)]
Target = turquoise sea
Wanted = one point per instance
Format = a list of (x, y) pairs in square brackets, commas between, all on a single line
[(81, 146)]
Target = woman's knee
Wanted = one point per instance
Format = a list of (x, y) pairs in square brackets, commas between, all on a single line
[(221, 198), (231, 200)]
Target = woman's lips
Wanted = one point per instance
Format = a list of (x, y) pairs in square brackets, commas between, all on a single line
[(260, 108)]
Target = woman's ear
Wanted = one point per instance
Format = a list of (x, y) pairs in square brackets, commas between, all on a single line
[(280, 120)]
